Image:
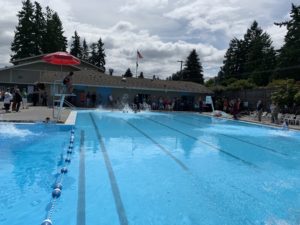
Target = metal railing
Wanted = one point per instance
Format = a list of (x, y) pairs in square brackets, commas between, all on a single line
[(58, 92)]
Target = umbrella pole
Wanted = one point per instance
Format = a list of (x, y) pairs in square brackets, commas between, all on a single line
[(61, 74)]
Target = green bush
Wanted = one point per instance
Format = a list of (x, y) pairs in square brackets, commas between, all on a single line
[(286, 92), (241, 85), (210, 82), (228, 81), (218, 89), (297, 98)]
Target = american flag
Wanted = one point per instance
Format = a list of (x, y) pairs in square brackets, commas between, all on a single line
[(139, 55)]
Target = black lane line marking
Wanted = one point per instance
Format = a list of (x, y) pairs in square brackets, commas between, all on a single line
[(113, 182), (193, 176), (181, 164), (81, 184), (206, 143), (239, 139)]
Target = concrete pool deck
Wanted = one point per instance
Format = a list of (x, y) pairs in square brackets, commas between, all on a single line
[(250, 119), (32, 114)]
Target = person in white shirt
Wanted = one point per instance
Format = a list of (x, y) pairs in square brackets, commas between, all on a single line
[(7, 100)]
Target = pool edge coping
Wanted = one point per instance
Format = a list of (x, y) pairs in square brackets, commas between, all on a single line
[(248, 122), (71, 120)]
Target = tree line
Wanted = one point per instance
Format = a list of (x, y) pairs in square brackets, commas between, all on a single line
[(250, 61), (41, 32), (254, 61)]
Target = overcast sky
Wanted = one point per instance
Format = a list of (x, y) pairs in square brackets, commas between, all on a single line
[(163, 31)]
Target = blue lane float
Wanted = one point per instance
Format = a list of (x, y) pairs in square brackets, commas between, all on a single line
[(46, 222), (56, 193), (64, 170), (57, 187), (67, 160)]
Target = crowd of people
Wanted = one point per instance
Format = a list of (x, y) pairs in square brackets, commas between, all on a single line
[(152, 102), (272, 113), (13, 98), (89, 99), (232, 106)]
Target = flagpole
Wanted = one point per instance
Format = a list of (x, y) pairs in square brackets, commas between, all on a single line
[(137, 64)]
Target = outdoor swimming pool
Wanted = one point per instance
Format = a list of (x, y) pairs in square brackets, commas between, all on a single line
[(150, 168)]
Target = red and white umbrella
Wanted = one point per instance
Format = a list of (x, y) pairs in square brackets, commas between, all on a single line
[(61, 58)]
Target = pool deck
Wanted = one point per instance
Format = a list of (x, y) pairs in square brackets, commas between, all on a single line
[(34, 114), (264, 121)]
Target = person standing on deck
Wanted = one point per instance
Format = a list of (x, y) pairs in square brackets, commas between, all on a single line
[(24, 98), (18, 99), (7, 100), (259, 108)]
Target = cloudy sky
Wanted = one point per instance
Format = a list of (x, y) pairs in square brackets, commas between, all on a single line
[(164, 31)]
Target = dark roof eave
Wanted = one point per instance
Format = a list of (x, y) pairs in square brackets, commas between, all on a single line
[(140, 88)]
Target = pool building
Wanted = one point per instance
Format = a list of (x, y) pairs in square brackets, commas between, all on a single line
[(33, 71)]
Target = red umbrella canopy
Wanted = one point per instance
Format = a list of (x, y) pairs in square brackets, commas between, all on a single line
[(61, 58)]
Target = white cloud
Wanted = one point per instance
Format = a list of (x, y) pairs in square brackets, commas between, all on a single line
[(164, 31), (160, 58), (230, 17), (277, 33), (134, 5)]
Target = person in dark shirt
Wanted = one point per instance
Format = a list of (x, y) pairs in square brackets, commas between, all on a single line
[(259, 108), (18, 99), (94, 99), (68, 82)]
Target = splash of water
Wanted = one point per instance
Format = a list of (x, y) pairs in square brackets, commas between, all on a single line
[(282, 133), (127, 109), (10, 130)]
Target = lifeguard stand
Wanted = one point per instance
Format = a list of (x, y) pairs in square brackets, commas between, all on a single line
[(59, 94)]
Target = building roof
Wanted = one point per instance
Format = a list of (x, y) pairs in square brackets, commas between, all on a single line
[(38, 58), (90, 75), (94, 78), (42, 65)]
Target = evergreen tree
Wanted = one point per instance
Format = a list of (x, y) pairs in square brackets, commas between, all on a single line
[(111, 71), (22, 45), (93, 59), (97, 57), (260, 55), (85, 51), (234, 61), (289, 60), (251, 58), (39, 29), (141, 75), (53, 39), (176, 76), (76, 49), (128, 73), (101, 54), (193, 70)]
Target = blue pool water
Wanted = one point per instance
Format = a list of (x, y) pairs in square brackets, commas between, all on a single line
[(151, 168)]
